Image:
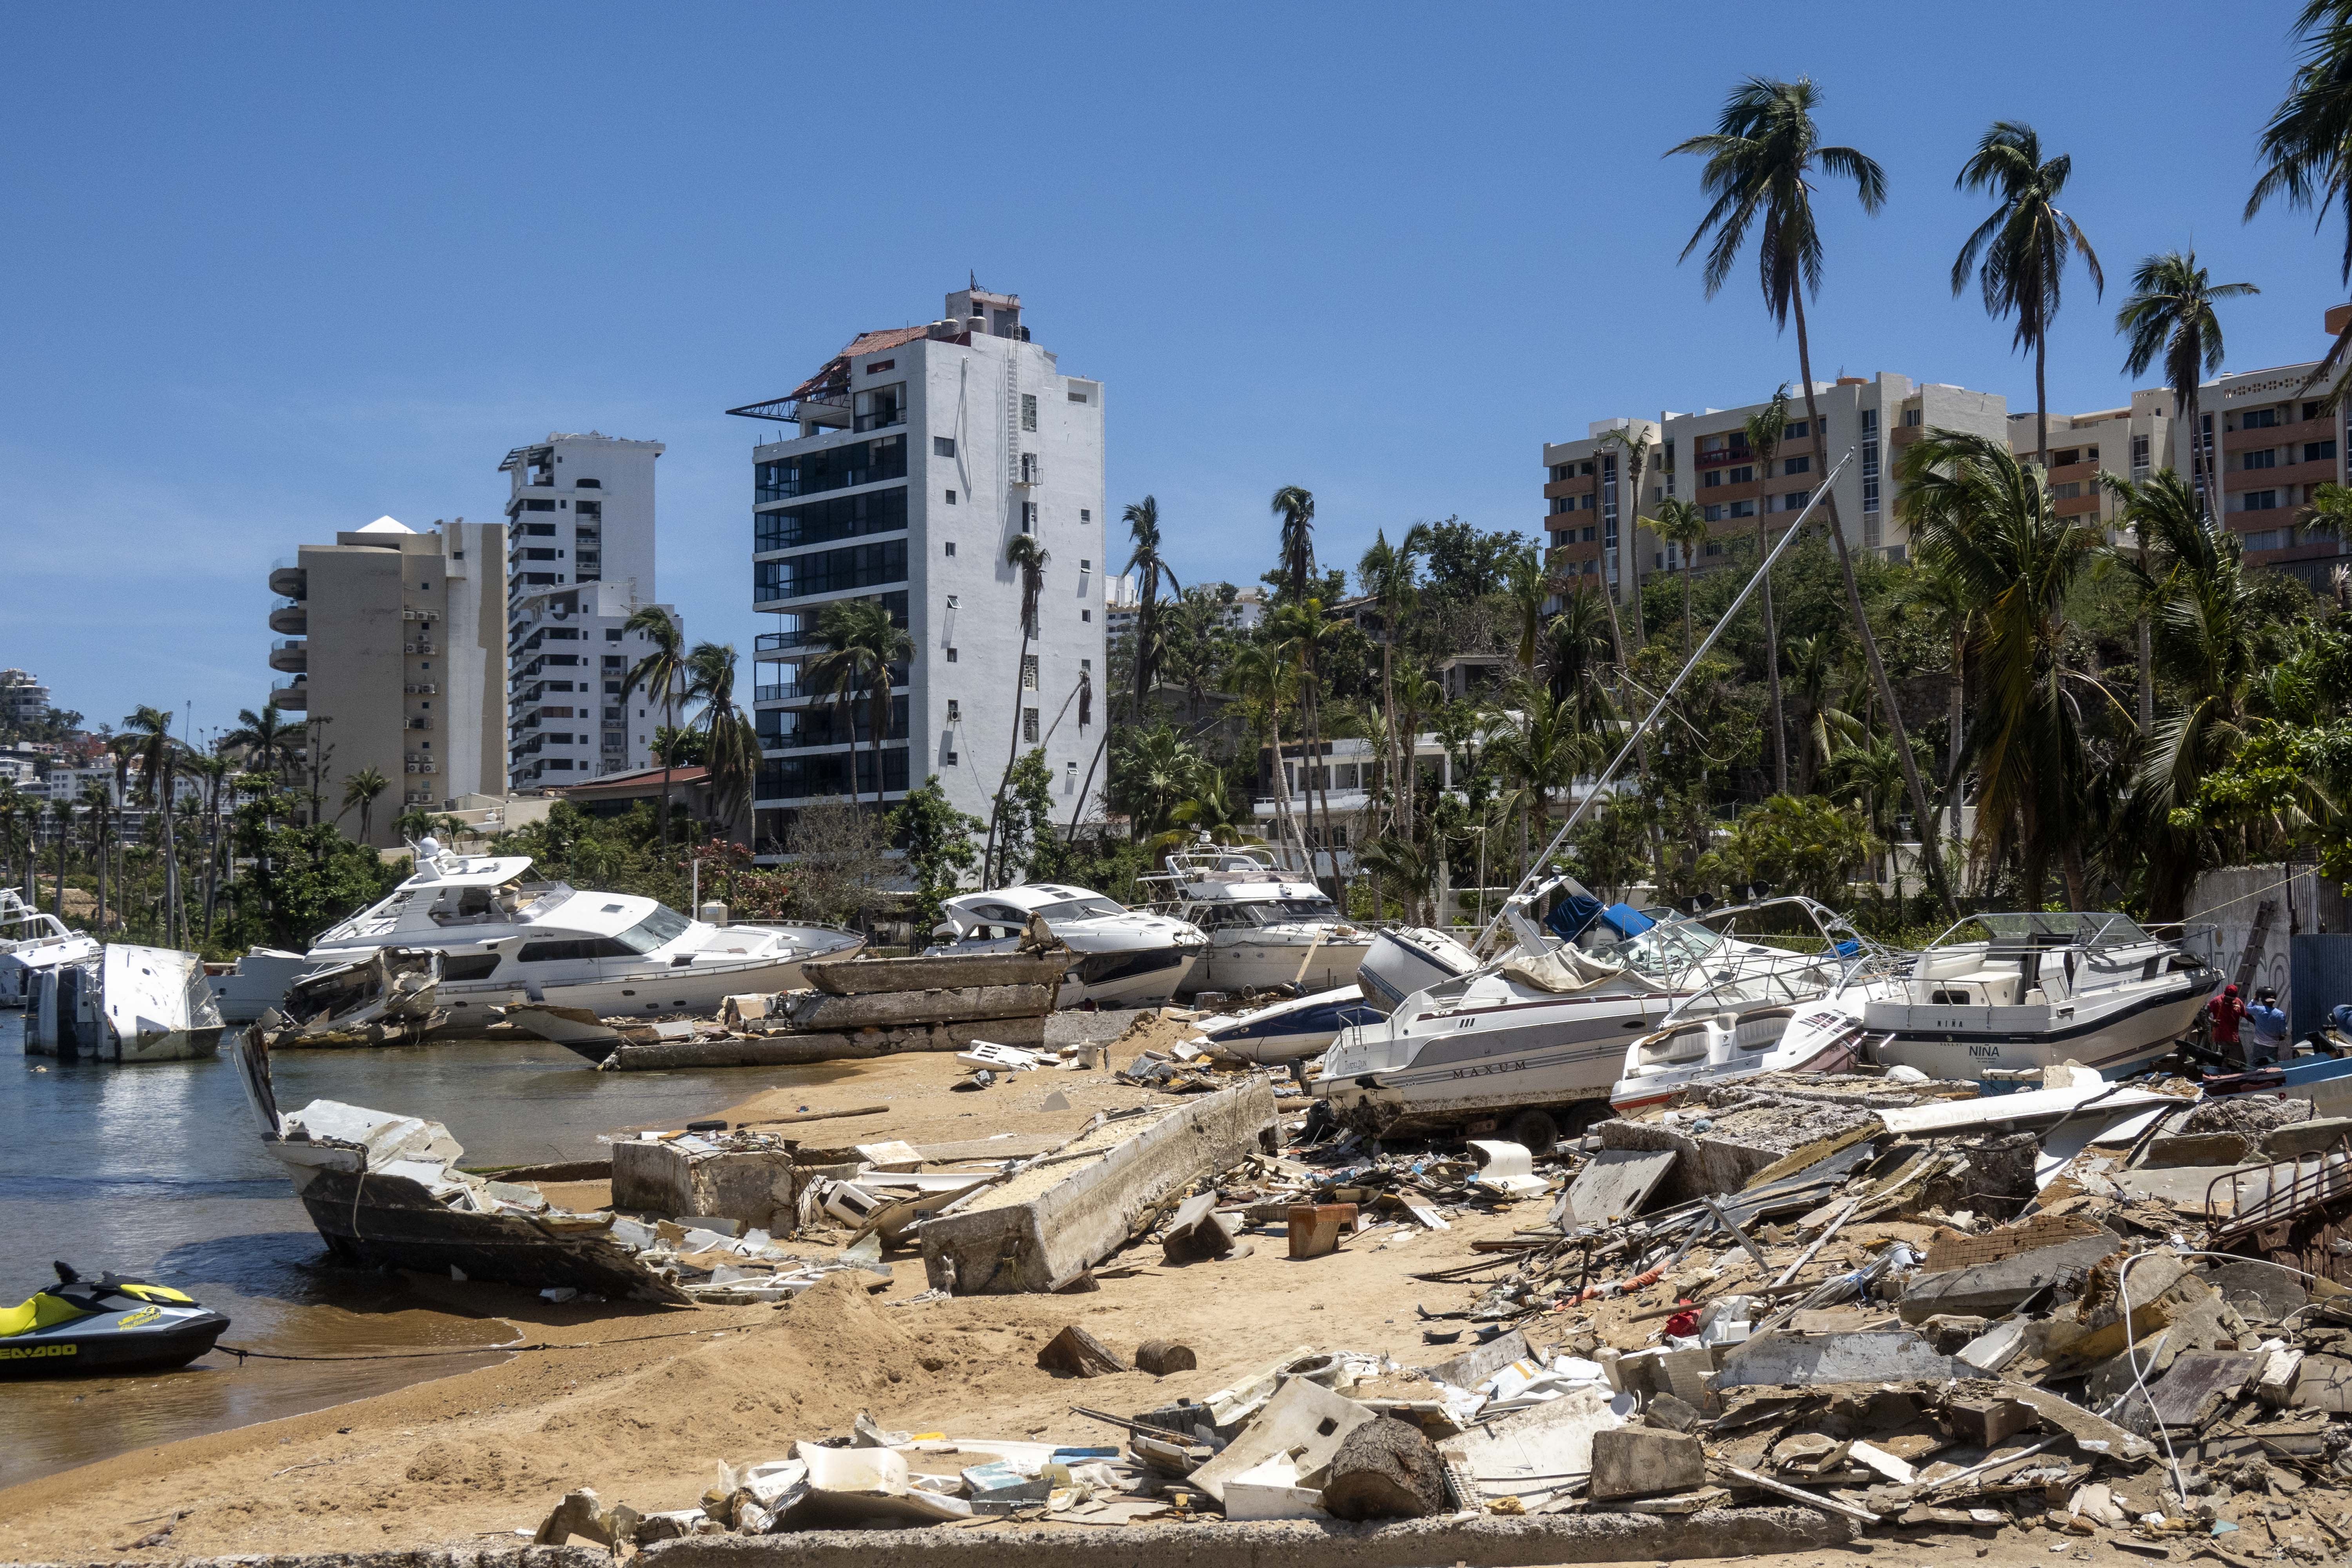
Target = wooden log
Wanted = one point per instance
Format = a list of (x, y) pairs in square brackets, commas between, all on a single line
[(1160, 1357)]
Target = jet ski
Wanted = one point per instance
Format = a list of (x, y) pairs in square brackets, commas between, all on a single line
[(105, 1325)]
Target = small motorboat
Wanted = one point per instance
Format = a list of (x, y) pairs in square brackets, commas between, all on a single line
[(106, 1325), (383, 997), (1290, 1030)]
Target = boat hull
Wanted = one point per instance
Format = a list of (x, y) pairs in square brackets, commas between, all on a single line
[(140, 1338), (1397, 964), (657, 993), (1964, 1044), (1267, 966), (1288, 1031)]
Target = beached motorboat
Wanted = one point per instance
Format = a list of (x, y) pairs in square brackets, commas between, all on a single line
[(1267, 929), (31, 941), (382, 998), (126, 1005), (1119, 957), (1289, 1031), (504, 938), (1402, 960), (2022, 992), (1535, 1042)]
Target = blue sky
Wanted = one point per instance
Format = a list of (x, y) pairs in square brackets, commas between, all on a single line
[(275, 272)]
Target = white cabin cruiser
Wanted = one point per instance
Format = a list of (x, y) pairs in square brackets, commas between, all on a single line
[(125, 1004), (2022, 992), (1120, 957), (257, 981), (1402, 960), (505, 938), (31, 941), (1267, 929), (1533, 1042), (1289, 1031)]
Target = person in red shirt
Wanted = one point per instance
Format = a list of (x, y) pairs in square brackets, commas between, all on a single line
[(2224, 1012)]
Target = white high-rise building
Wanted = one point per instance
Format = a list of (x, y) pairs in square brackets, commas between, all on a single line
[(922, 454), (580, 564)]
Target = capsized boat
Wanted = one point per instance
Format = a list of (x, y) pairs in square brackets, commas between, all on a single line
[(127, 1004), (382, 998), (110, 1324), (1267, 928), (1535, 1042), (504, 938), (32, 942), (1119, 957), (258, 981), (1288, 1031), (2031, 990)]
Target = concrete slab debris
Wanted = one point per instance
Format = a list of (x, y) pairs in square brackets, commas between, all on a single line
[(1302, 1420), (1783, 1357), (1637, 1461), (1614, 1185)]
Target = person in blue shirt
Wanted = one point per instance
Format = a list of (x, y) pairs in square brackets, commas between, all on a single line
[(2268, 1021)]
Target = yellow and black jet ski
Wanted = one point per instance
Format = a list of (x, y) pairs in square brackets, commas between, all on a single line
[(108, 1324)]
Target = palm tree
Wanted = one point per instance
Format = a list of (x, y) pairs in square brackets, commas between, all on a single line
[(1683, 525), (1298, 632), (98, 803), (731, 747), (213, 769), (1761, 161), (1296, 507), (1942, 601), (61, 817), (1028, 558), (2159, 507), (1629, 507), (1260, 675), (149, 730), (265, 736), (661, 671), (2025, 245), (1142, 519), (1407, 868), (1538, 742), (1386, 574), (2307, 145), (863, 643), (360, 790), (2170, 312), (1766, 427), (1980, 515)]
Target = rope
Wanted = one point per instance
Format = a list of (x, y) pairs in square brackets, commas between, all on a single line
[(2257, 893), (508, 1349)]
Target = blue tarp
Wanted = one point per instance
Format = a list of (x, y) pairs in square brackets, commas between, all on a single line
[(1627, 919), (1572, 915)]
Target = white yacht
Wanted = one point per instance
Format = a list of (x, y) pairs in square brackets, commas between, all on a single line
[(124, 1003), (1267, 929), (1533, 1043), (1119, 957), (504, 938), (31, 941), (2026, 991)]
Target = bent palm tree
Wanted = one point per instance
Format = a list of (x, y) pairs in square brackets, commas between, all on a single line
[(1296, 507), (730, 749), (1761, 161), (1142, 519), (863, 641), (149, 730), (1259, 674), (1766, 427), (2025, 245), (2307, 145), (1028, 558), (1629, 506), (661, 672), (1683, 525), (362, 790), (2170, 313)]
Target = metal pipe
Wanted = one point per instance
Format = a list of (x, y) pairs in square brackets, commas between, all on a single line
[(1642, 729)]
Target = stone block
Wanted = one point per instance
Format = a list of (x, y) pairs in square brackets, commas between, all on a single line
[(1637, 1461), (658, 1178), (1988, 1422), (2196, 1149), (2298, 1138)]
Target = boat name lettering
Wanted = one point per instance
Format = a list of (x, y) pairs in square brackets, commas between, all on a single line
[(15, 1355), (1990, 1052), (1489, 1069)]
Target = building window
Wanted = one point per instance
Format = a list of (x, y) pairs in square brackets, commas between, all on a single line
[(832, 468), (2266, 459), (2266, 539), (1029, 725), (1712, 513), (1028, 517), (2070, 491), (1710, 479), (1869, 467), (2320, 451), (1028, 411), (942, 445), (947, 758), (1086, 614), (1743, 509), (950, 544), (1912, 415), (1740, 476), (1796, 465), (830, 571), (951, 655), (955, 711), (1077, 396), (849, 517), (2311, 410), (1029, 671), (2139, 445), (1086, 514), (2259, 419), (1589, 534), (2259, 501)]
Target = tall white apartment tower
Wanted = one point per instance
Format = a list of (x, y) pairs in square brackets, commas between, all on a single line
[(922, 454), (581, 562)]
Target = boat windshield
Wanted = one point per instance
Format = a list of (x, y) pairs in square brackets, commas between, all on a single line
[(1273, 911), (2039, 928), (1666, 947), (1079, 910), (663, 926)]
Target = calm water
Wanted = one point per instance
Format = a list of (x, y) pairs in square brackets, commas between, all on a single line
[(157, 1170)]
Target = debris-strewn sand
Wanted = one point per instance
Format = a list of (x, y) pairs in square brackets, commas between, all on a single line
[(492, 1450)]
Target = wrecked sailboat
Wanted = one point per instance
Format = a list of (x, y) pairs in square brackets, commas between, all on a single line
[(127, 1004), (383, 998)]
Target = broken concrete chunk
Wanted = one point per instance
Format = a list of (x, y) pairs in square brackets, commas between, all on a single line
[(1988, 1422), (1996, 1347), (1636, 1461), (1302, 1420), (1887, 1356), (2199, 1384), (1078, 1352), (2299, 1138), (1384, 1469), (2196, 1149), (1995, 1286)]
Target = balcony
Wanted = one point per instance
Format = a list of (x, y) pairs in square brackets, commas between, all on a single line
[(290, 655), (296, 697), (2287, 476), (784, 692), (290, 581), (1029, 471), (293, 620), (778, 642), (2295, 432)]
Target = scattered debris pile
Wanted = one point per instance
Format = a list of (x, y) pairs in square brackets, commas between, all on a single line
[(383, 998)]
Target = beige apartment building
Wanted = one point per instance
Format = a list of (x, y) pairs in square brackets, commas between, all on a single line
[(1705, 458), (397, 643), (2131, 441)]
